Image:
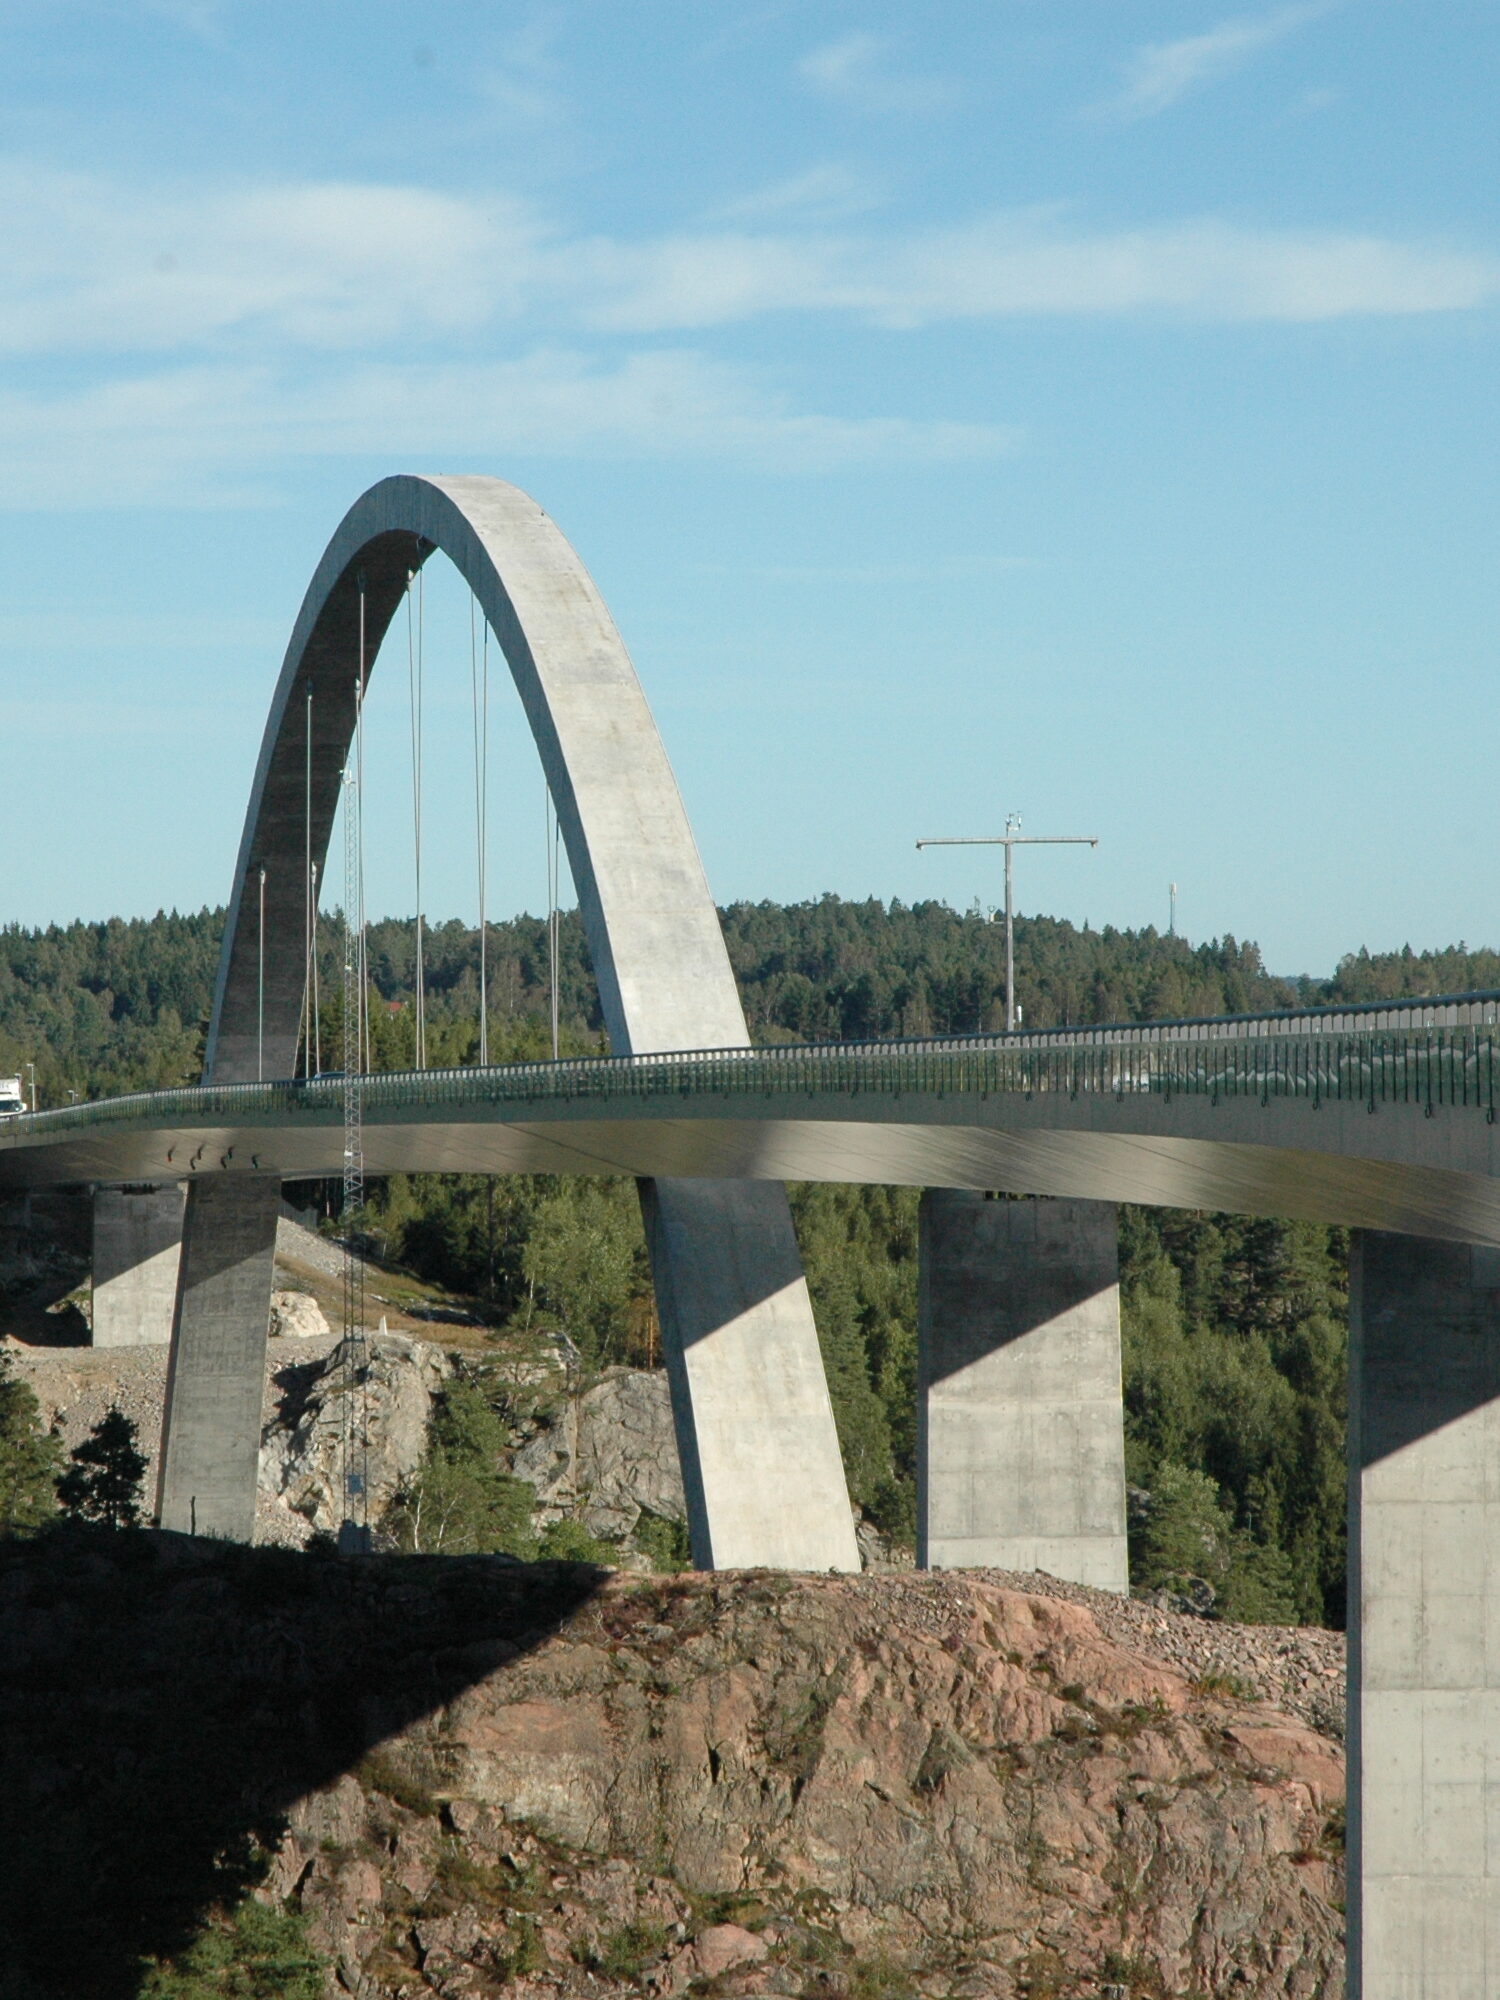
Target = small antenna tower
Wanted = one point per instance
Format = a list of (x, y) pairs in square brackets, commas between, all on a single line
[(1172, 907)]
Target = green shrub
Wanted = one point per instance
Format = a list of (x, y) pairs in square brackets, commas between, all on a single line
[(255, 1953), (459, 1501), (29, 1458), (570, 1541), (665, 1542), (625, 1953)]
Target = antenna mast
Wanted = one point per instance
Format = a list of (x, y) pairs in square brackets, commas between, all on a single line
[(1013, 837)]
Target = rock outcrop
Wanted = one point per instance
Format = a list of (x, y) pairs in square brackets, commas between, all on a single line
[(607, 1456), (297, 1316), (479, 1777), (371, 1400)]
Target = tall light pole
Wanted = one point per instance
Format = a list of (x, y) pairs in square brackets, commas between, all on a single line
[(1013, 837)]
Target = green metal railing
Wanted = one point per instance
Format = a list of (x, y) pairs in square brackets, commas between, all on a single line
[(1435, 1069)]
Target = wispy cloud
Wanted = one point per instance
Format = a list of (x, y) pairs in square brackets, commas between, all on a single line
[(859, 70), (828, 193), (93, 267), (1026, 264), (1160, 75), (217, 435), (183, 345), (88, 263)]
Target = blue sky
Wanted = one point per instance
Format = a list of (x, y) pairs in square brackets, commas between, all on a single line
[(1084, 410)]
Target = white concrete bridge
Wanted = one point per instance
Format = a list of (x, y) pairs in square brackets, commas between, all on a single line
[(1381, 1119)]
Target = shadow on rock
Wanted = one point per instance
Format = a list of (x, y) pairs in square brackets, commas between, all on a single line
[(166, 1701)]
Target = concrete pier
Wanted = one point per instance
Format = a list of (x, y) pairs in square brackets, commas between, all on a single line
[(137, 1237), (210, 1454), (755, 1432), (1424, 1620), (1020, 1424)]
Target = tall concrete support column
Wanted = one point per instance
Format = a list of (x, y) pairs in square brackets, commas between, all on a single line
[(1020, 1423), (216, 1372), (137, 1241), (755, 1432), (1424, 1620)]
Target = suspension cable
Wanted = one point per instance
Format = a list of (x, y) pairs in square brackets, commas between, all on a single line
[(354, 1532), (479, 697), (260, 987), (317, 1012), (552, 915), (414, 648), (309, 878)]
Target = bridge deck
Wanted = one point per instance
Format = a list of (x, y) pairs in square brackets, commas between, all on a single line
[(1390, 1127)]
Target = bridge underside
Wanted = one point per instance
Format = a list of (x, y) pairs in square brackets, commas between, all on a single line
[(1407, 1196)]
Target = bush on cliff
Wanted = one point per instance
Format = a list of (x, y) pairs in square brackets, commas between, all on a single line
[(254, 1954), (29, 1459), (460, 1502)]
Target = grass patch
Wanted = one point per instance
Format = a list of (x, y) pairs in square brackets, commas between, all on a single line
[(383, 1773), (1226, 1687), (625, 1953), (795, 1741)]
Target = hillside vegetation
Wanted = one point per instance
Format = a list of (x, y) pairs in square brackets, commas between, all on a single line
[(1235, 1338)]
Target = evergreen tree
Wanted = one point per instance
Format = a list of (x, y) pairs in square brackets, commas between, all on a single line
[(103, 1483), (29, 1458)]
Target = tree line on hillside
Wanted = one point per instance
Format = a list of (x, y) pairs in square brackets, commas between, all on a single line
[(1234, 1328), (123, 1004)]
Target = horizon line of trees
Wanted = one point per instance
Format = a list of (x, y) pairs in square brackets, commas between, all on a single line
[(123, 1004)]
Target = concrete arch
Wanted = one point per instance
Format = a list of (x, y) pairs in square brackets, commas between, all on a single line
[(664, 974), (755, 1426)]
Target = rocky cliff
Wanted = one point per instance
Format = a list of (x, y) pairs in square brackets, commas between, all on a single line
[(479, 1778)]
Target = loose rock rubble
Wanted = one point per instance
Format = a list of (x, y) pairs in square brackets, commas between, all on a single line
[(1297, 1668)]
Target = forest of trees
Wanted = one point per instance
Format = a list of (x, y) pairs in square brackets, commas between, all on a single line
[(1235, 1329)]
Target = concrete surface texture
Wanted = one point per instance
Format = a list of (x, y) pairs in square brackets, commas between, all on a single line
[(210, 1448), (137, 1235), (1020, 1439), (1424, 1625), (663, 970), (734, 1309)]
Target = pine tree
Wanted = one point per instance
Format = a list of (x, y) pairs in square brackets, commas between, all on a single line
[(104, 1481), (28, 1459)]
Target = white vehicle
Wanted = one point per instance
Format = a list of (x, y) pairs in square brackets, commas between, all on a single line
[(12, 1103)]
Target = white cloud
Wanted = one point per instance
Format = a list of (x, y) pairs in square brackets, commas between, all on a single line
[(89, 267), (828, 193), (92, 264), (1160, 75), (1027, 263), (857, 70), (213, 435), (190, 342)]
